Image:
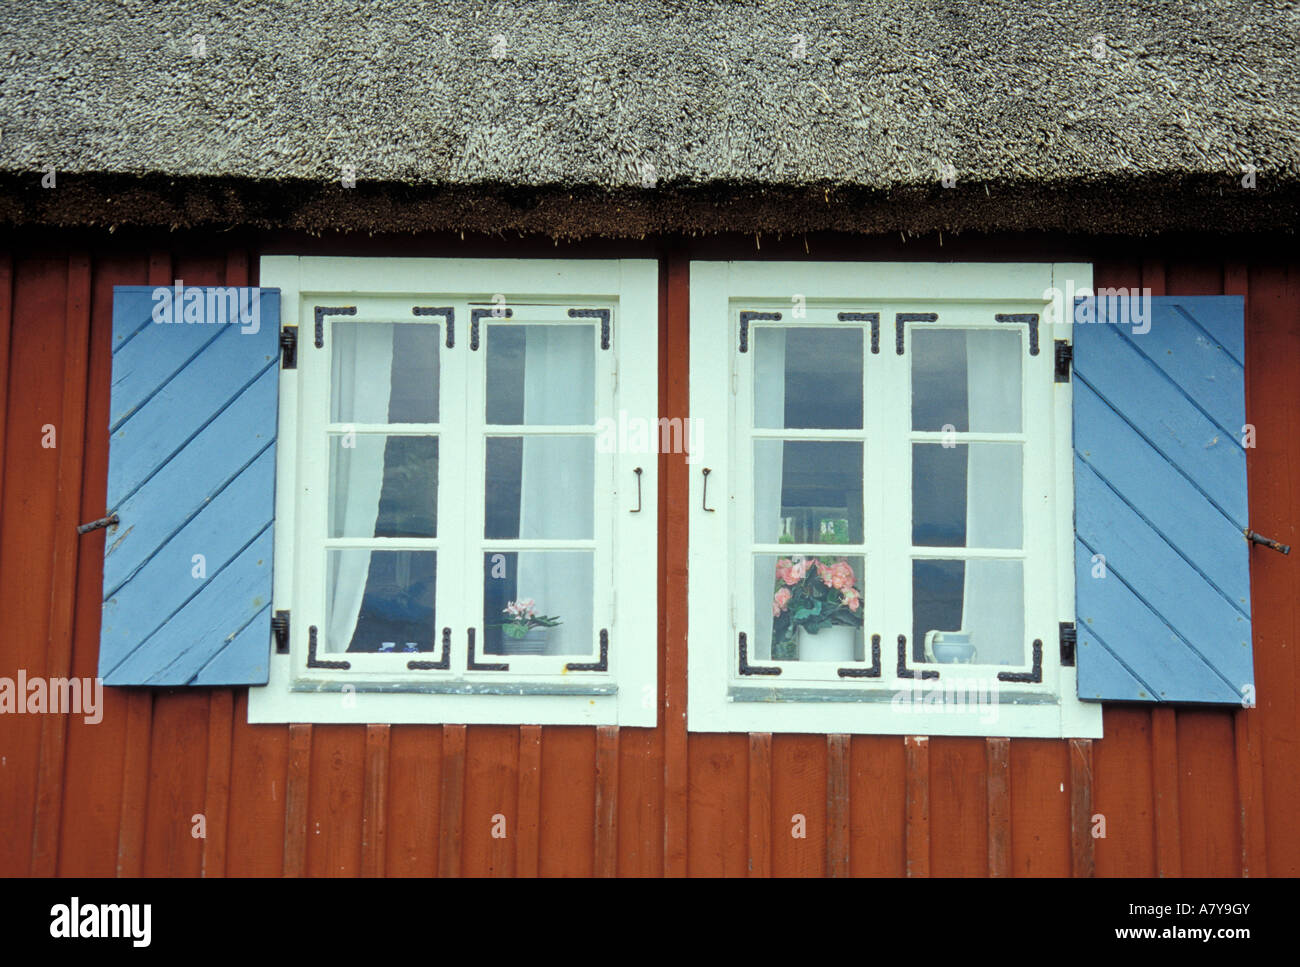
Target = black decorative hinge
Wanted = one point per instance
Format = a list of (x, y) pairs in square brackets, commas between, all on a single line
[(477, 666), (322, 312), (902, 318), (602, 314), (746, 668), (1064, 357), (903, 670), (312, 661), (289, 347), (447, 312), (441, 663), (594, 666), (871, 317), (1034, 675), (1028, 318), (1069, 638), (476, 314), (746, 318), (280, 629), (873, 671)]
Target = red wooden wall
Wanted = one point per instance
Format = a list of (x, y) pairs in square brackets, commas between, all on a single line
[(1183, 791)]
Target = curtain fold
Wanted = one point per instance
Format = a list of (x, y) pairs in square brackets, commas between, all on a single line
[(362, 385), (557, 484), (993, 473), (769, 469)]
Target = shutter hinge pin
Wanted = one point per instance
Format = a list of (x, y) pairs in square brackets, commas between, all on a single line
[(1064, 357), (289, 347), (95, 525), (1261, 539), (280, 628), (1069, 639)]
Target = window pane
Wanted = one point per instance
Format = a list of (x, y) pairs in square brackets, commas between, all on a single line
[(540, 487), (808, 378), (807, 493), (384, 372), (967, 495), (966, 380), (380, 601), (383, 486), (808, 608), (974, 611), (541, 374), (538, 603)]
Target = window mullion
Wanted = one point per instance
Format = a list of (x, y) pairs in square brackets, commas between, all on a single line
[(465, 500)]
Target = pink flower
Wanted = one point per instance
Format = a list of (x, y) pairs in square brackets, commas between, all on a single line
[(842, 576), (852, 599), (825, 571), (783, 571), (797, 570), (780, 601)]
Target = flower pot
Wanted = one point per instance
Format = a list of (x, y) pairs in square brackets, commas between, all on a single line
[(532, 643), (835, 643)]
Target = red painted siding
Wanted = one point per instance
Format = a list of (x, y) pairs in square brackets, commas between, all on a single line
[(1182, 791)]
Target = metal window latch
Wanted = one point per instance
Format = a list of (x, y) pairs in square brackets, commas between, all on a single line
[(95, 525), (704, 498), (637, 471), (1253, 538)]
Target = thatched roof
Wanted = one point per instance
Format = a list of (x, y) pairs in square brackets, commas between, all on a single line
[(626, 117)]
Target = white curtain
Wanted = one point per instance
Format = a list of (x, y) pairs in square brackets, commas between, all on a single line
[(993, 597), (769, 411), (362, 384), (558, 483)]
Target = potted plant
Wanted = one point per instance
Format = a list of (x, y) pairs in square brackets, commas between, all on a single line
[(816, 609), (525, 630)]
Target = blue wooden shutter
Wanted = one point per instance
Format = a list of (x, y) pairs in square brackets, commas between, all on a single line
[(1160, 493), (191, 471)]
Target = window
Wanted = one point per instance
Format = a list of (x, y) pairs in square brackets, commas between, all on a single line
[(881, 539), (456, 539)]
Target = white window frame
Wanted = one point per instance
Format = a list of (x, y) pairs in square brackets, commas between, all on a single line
[(535, 690), (720, 600)]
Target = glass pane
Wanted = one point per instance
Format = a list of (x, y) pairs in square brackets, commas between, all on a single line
[(383, 486), (808, 608), (967, 495), (380, 601), (541, 374), (807, 493), (384, 372), (538, 603), (966, 380), (968, 612), (540, 487), (808, 378)]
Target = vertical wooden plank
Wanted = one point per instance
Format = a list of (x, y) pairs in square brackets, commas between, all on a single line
[(256, 843), (958, 806), (1164, 774), (1123, 794), (837, 805), (878, 806), (216, 795), (997, 753), (760, 804), (374, 813), (1247, 724), (6, 332), (530, 800), (640, 802), (63, 587), (297, 791), (177, 776), (135, 758), (489, 828), (917, 749), (1209, 816), (798, 805), (92, 783), (673, 508), (1040, 808), (719, 808), (568, 805), (335, 801), (415, 801), (605, 846), (1081, 841), (451, 812)]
